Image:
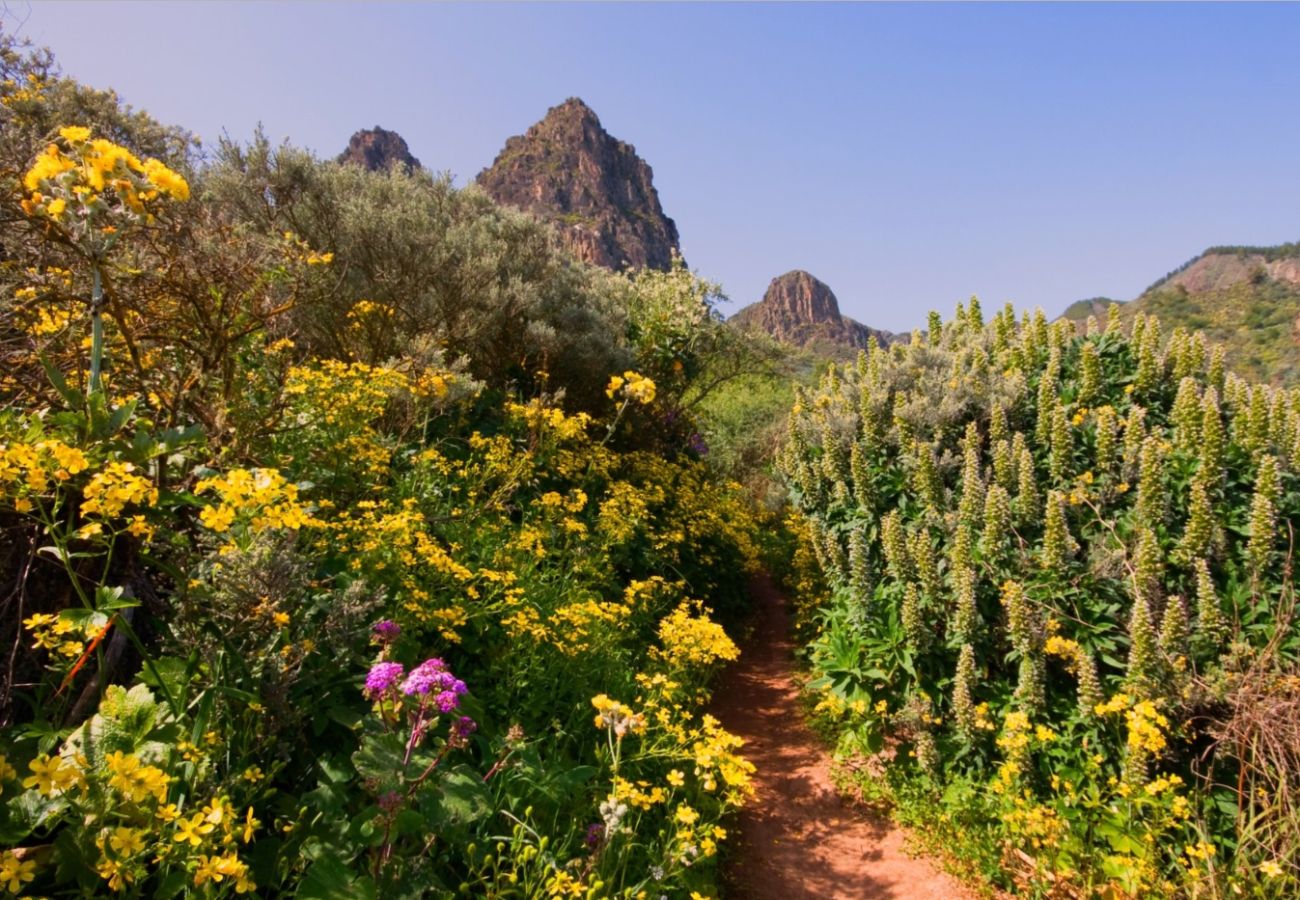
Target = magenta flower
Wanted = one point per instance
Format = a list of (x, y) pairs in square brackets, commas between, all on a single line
[(386, 631), (465, 726), (382, 676)]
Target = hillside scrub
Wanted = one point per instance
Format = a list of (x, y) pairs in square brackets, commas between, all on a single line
[(1061, 601), (354, 540)]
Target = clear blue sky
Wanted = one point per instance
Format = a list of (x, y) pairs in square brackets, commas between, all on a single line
[(909, 156)]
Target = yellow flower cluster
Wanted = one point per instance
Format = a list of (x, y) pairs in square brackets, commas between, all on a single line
[(136, 782), (1036, 823), (616, 717), (34, 467), (60, 635), (114, 488), (261, 497), (631, 386), (640, 794), (53, 775), (93, 174), (341, 393), (302, 252), (693, 641), (15, 871), (1146, 727), (716, 755)]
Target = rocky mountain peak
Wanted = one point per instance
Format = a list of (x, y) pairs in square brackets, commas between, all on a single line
[(799, 296), (799, 309), (593, 187), (377, 149)]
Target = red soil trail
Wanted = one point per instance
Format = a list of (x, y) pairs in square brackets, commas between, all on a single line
[(797, 838)]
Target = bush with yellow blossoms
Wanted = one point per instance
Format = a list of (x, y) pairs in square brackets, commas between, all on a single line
[(229, 539), (1059, 554)]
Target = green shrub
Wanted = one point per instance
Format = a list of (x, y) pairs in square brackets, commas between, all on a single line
[(1060, 564)]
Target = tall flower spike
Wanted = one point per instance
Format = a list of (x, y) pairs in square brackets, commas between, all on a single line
[(1255, 438), (1031, 687), (928, 484), (1089, 690), (934, 330), (1212, 440), (963, 701), (1047, 397), (841, 496), (997, 521), (1107, 435), (1025, 628), (1058, 545), (1026, 486), (1176, 353), (1281, 421), (894, 541), (1141, 676), (1200, 522), (1173, 636), (1060, 454), (967, 622), (834, 467), (1263, 517), (1196, 354), (1149, 368), (859, 564), (960, 552), (971, 504), (1148, 564), (1113, 319), (1089, 373), (1217, 368), (1135, 333), (1135, 435), (1187, 416), (1211, 626), (927, 568), (998, 428), (1150, 503), (914, 624), (860, 469), (837, 559), (1004, 327)]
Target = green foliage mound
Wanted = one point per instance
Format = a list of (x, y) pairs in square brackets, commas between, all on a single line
[(1062, 601)]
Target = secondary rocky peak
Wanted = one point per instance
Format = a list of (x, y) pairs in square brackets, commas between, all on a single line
[(800, 309), (1220, 268), (593, 187), (803, 298), (377, 149)]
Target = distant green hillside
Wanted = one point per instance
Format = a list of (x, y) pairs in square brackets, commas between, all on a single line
[(1245, 298), (1079, 310)]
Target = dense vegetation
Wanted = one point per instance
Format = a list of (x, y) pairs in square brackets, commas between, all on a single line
[(1254, 320), (357, 541), (1061, 601)]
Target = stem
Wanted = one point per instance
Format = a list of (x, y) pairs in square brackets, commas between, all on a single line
[(96, 330)]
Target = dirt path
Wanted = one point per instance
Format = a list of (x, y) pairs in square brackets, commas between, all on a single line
[(797, 838)]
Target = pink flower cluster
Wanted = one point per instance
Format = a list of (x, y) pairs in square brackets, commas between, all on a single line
[(433, 677)]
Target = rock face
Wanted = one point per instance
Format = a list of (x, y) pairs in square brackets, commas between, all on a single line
[(600, 195), (377, 149), (1217, 270), (799, 309)]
